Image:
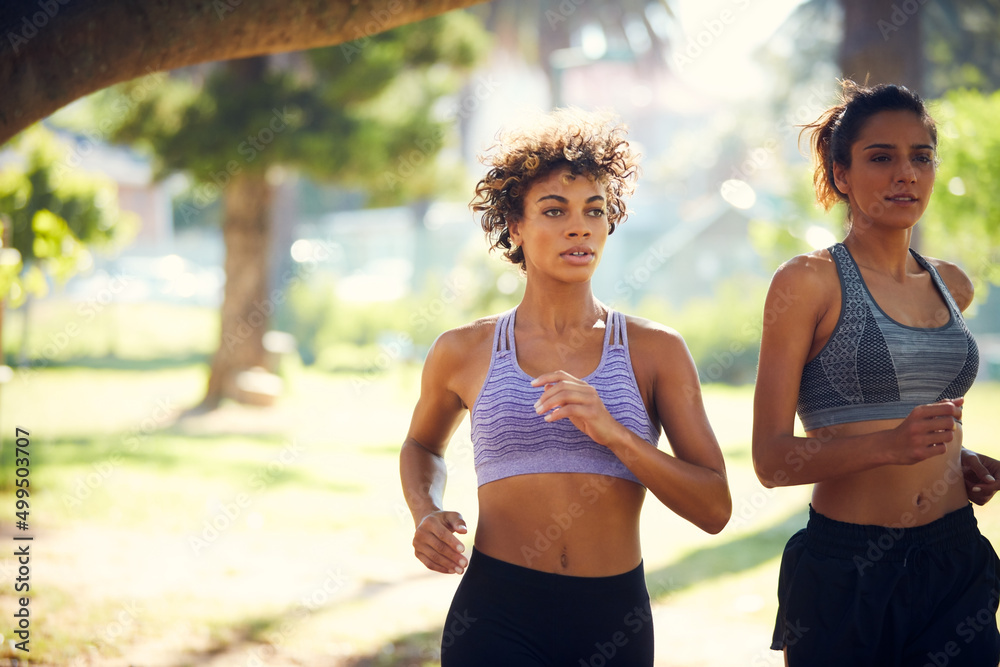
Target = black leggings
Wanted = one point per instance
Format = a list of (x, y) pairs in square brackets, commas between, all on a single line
[(504, 615)]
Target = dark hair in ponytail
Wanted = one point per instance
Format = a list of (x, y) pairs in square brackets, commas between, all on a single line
[(835, 131)]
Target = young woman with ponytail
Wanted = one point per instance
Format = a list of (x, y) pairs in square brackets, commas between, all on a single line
[(868, 345)]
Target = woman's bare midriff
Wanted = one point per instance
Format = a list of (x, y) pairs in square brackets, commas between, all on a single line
[(895, 495), (575, 524)]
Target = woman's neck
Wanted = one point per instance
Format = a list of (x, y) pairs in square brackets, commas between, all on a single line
[(885, 251), (558, 310)]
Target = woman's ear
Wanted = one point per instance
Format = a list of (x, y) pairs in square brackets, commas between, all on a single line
[(514, 231), (840, 178)]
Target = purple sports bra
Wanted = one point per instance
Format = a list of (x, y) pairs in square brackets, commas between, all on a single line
[(509, 438)]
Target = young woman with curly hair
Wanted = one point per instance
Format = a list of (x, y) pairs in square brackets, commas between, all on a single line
[(567, 399), (865, 340)]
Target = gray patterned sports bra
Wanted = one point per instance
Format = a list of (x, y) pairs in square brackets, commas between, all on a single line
[(875, 368)]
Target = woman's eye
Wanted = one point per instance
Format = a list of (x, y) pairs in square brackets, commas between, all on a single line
[(552, 212), (597, 213)]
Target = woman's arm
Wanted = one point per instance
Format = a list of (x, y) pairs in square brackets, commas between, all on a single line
[(981, 472), (422, 470), (692, 482), (796, 302), (982, 476)]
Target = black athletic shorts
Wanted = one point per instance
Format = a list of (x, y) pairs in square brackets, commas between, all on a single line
[(505, 615), (858, 595)]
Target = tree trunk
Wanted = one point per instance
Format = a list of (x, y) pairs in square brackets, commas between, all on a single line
[(246, 303), (53, 52), (882, 41)]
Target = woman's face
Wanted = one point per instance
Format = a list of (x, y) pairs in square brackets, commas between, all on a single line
[(892, 171), (564, 226)]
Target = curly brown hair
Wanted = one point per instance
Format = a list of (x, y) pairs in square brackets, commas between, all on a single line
[(589, 143)]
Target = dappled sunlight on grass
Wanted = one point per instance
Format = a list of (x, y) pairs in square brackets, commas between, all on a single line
[(280, 535), (118, 405), (731, 557)]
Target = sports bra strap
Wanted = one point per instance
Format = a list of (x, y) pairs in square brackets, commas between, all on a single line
[(503, 333), (619, 332), (938, 281)]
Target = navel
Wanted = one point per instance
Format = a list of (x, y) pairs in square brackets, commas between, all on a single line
[(564, 559)]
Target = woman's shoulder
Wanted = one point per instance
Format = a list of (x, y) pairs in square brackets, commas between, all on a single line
[(645, 334), (809, 278), (956, 280), (818, 264), (660, 357), (459, 341)]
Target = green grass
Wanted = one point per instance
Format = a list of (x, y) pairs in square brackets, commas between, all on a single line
[(283, 533), (117, 335)]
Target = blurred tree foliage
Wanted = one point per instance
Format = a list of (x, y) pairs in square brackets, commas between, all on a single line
[(960, 45), (367, 113), (55, 212), (929, 46), (352, 113), (799, 224), (722, 332), (963, 220)]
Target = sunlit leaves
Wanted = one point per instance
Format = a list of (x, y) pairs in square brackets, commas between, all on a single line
[(54, 211), (347, 113), (963, 219)]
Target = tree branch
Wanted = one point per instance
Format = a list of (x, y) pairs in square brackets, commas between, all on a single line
[(55, 51)]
